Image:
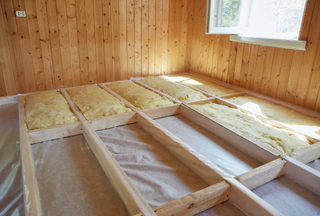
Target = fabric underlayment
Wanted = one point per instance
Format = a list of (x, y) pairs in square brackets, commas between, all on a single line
[(46, 109), (95, 102), (139, 96), (251, 127), (158, 175), (289, 197), (227, 157), (71, 180), (175, 90), (300, 122), (205, 85)]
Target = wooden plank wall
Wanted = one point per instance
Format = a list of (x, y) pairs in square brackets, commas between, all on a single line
[(288, 75), (63, 43)]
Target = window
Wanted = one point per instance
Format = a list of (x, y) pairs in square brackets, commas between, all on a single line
[(257, 21)]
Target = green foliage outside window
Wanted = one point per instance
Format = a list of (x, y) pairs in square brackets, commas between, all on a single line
[(230, 13)]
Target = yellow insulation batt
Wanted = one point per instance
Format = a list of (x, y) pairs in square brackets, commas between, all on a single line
[(46, 109), (139, 96), (253, 128), (206, 86), (94, 102), (305, 124), (175, 90)]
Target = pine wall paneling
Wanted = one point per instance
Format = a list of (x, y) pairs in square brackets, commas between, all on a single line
[(289, 75), (64, 43)]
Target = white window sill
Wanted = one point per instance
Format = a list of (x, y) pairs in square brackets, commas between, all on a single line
[(280, 43)]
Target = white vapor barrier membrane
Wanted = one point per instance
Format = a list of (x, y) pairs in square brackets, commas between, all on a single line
[(289, 197), (11, 191), (71, 180), (159, 176), (315, 164), (227, 157)]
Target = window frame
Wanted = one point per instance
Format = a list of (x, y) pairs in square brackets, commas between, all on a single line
[(235, 32), (216, 10)]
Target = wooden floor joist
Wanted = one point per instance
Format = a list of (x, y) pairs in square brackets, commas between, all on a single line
[(303, 174), (195, 202), (263, 174), (113, 121), (127, 191), (55, 132), (163, 111), (307, 154), (206, 169), (261, 152), (30, 186)]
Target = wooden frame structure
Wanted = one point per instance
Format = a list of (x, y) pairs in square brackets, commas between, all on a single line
[(305, 155), (269, 121), (222, 186)]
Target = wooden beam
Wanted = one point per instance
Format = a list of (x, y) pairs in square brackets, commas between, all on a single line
[(7, 100), (209, 172), (163, 111), (303, 174), (195, 202), (54, 132), (307, 154), (241, 196), (263, 174), (32, 205), (127, 191), (261, 152), (249, 202), (113, 121)]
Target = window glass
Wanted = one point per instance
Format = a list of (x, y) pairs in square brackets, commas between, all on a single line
[(260, 18), (231, 13)]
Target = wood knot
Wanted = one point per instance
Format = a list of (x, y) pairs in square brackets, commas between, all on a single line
[(190, 206)]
